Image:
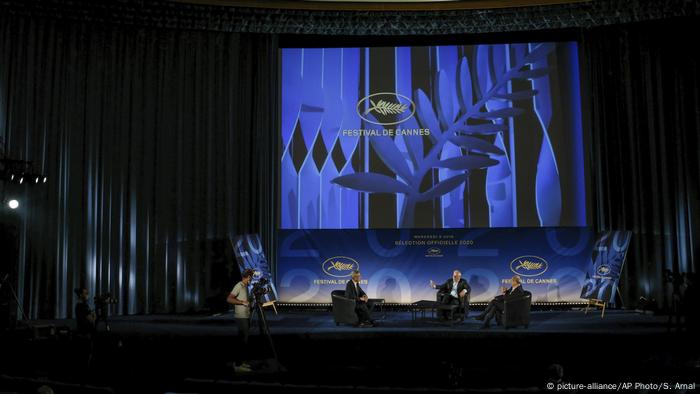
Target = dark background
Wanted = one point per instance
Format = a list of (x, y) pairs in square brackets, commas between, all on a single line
[(155, 123)]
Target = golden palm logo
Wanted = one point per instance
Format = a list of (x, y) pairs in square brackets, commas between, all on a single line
[(339, 266), (386, 108), (529, 265)]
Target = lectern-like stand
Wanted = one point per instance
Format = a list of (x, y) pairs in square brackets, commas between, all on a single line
[(600, 303)]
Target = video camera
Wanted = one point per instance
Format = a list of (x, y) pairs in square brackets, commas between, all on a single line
[(260, 288), (104, 300)]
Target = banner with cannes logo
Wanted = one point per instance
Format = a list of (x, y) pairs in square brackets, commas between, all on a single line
[(249, 254), (397, 265), (608, 259)]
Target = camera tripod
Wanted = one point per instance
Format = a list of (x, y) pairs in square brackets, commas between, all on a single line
[(4, 282), (101, 317), (262, 324)]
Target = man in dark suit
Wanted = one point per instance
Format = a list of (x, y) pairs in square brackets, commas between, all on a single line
[(453, 291), (353, 291), (496, 305)]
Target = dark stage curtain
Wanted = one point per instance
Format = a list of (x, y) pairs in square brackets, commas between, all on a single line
[(645, 105), (154, 141)]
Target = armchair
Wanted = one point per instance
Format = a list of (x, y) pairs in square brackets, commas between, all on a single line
[(463, 306), (343, 308), (516, 311)]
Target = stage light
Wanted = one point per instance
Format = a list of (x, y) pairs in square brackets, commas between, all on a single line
[(13, 204), (45, 178), (21, 179), (36, 180)]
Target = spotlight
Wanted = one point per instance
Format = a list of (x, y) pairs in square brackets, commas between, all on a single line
[(13, 204), (16, 171)]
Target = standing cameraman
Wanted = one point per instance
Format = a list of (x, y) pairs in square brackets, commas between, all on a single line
[(241, 306), (85, 327), (84, 316)]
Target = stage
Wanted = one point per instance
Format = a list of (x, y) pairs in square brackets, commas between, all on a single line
[(167, 162), (320, 324), (194, 352)]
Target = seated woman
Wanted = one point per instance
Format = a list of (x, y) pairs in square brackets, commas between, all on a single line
[(453, 291), (496, 305)]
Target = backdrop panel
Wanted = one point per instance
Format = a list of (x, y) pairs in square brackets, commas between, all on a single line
[(250, 254), (608, 260), (432, 137), (398, 264)]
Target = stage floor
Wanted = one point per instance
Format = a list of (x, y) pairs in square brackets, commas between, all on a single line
[(398, 352), (320, 323)]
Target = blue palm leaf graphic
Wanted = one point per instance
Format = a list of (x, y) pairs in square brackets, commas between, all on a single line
[(372, 183), (486, 128), (392, 156), (426, 115), (466, 163), (444, 92), (499, 113), (521, 95), (443, 187), (465, 86), (447, 127), (475, 144), (414, 145)]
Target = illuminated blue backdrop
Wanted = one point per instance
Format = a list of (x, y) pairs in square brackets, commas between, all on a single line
[(468, 142), (502, 142), (398, 264)]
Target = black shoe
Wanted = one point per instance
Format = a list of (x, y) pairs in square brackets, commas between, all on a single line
[(480, 317)]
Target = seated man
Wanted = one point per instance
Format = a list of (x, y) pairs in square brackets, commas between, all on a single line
[(353, 291), (496, 305), (453, 291)]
